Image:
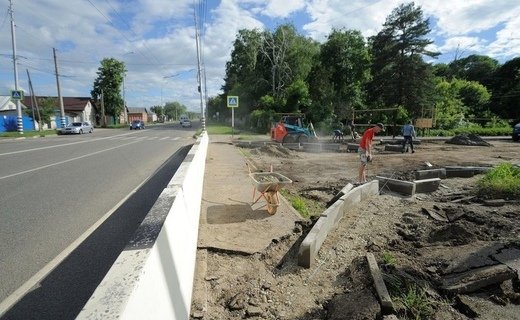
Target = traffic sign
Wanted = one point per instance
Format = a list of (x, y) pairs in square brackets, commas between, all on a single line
[(232, 101), (17, 94)]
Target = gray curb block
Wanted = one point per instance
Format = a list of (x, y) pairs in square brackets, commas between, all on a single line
[(406, 188), (329, 219), (384, 297)]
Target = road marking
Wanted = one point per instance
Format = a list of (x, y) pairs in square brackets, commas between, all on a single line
[(60, 145), (64, 161), (19, 293)]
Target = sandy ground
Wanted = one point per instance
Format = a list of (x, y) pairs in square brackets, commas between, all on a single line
[(418, 254)]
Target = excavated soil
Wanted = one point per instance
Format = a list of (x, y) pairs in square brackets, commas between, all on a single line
[(423, 244)]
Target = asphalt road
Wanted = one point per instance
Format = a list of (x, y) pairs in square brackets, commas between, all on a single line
[(69, 204)]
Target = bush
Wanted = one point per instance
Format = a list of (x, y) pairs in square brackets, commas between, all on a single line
[(501, 182), (494, 131)]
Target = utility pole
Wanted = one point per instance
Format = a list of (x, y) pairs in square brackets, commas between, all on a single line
[(199, 74), (34, 103), (104, 119), (19, 120), (125, 114), (62, 109)]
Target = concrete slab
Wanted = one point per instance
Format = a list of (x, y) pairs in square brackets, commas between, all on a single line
[(459, 172), (352, 147), (227, 217), (328, 221), (394, 148), (427, 185), (384, 297), (430, 174), (406, 188)]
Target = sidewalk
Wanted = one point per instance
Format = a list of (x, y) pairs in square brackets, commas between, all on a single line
[(228, 221)]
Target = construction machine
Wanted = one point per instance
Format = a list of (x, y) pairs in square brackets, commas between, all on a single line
[(291, 129)]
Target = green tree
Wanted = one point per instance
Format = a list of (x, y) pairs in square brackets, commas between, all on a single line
[(265, 63), (344, 64), (159, 111), (48, 107), (475, 68), (109, 82), (242, 77), (449, 108), (173, 110), (217, 108), (475, 98), (506, 90), (400, 75)]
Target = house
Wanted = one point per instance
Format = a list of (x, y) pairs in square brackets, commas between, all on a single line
[(152, 116), (75, 109), (137, 114), (9, 114)]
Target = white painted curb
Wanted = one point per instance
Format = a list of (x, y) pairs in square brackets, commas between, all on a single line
[(153, 277)]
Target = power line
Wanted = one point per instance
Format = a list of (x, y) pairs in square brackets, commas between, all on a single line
[(124, 36)]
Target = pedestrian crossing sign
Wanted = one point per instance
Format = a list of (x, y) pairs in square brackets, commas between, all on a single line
[(232, 101), (17, 94)]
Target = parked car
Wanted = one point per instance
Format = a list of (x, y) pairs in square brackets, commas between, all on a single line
[(137, 125), (186, 123), (516, 132), (76, 128), (182, 118)]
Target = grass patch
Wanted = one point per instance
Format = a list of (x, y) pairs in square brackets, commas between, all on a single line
[(502, 181), (415, 303), (300, 204), (411, 302), (227, 130), (389, 259)]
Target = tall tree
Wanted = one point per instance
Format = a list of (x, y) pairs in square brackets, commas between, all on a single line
[(344, 61), (475, 68), (506, 90), (173, 110), (109, 82), (159, 111), (401, 77), (242, 77)]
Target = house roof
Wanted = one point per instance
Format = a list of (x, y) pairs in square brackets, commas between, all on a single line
[(6, 104), (77, 104), (136, 110)]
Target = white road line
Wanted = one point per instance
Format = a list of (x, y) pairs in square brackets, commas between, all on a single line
[(60, 145), (19, 293), (64, 161)]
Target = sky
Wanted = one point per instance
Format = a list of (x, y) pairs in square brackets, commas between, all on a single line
[(156, 39)]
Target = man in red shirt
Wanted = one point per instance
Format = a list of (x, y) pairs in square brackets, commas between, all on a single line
[(365, 149)]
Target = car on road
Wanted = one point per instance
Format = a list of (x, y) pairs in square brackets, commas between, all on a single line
[(516, 132), (182, 118), (77, 128), (137, 125), (186, 123)]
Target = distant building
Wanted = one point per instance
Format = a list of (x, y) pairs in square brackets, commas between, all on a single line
[(76, 109), (137, 114), (8, 115)]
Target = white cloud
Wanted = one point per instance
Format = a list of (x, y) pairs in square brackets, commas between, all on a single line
[(282, 9), (156, 38)]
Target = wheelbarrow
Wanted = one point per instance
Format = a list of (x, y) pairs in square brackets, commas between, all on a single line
[(268, 184)]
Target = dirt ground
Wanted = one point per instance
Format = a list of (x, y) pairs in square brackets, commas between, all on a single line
[(422, 244)]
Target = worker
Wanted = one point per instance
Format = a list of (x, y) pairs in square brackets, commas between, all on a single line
[(365, 150), (352, 127), (408, 132)]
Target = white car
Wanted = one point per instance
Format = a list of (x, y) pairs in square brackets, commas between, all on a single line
[(186, 123), (77, 128)]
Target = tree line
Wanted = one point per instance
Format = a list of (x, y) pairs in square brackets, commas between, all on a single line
[(389, 77)]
